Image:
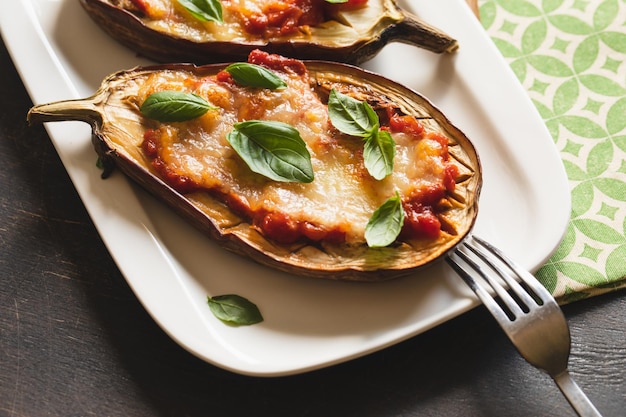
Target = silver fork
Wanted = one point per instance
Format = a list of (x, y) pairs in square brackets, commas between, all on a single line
[(527, 313)]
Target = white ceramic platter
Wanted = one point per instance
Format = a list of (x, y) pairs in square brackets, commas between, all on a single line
[(309, 323)]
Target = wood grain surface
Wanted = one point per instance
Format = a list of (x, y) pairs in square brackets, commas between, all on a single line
[(74, 340)]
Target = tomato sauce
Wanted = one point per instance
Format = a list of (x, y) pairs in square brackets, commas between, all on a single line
[(283, 229), (277, 62), (404, 123), (280, 18), (420, 214), (285, 17)]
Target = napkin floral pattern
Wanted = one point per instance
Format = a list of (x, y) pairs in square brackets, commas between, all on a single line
[(570, 55)]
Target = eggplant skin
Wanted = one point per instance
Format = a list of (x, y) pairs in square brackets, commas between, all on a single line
[(118, 126), (393, 25)]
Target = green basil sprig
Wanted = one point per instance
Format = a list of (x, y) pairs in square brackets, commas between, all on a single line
[(234, 309), (357, 118), (350, 116), (386, 223), (204, 10), (253, 75), (378, 153), (272, 149), (174, 106)]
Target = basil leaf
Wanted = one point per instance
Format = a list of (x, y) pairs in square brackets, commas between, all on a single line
[(174, 106), (273, 149), (357, 118), (379, 153), (350, 116), (386, 223), (204, 10), (252, 75), (234, 309)]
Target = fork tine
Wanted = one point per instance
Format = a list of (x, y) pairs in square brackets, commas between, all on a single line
[(479, 290), (511, 306), (539, 290), (522, 295)]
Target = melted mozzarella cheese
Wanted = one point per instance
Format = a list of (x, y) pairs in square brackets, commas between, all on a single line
[(342, 196)]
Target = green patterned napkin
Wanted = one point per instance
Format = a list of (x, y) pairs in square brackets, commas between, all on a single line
[(570, 55)]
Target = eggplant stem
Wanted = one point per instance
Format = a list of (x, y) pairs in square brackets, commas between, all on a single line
[(413, 31), (83, 110)]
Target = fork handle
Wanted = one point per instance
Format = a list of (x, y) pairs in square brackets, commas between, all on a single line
[(575, 395)]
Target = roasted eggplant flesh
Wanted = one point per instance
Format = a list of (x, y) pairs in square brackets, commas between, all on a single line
[(355, 31), (315, 226)]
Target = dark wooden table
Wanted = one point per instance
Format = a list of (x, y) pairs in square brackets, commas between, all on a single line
[(74, 340)]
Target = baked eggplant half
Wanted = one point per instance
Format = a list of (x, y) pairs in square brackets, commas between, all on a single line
[(210, 31), (311, 167)]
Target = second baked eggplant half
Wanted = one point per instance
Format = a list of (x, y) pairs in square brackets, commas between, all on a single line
[(315, 168), (209, 31)]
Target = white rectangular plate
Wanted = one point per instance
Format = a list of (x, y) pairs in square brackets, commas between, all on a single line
[(309, 323)]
